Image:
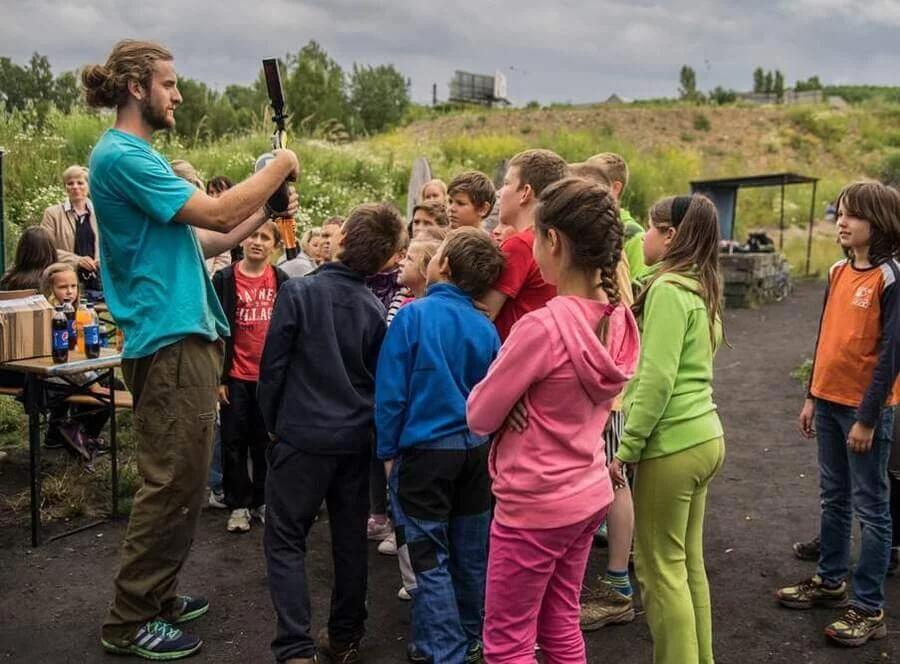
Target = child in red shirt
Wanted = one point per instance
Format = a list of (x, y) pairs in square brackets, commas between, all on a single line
[(247, 291), (520, 288)]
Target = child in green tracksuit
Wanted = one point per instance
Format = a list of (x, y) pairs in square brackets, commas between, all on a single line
[(672, 431)]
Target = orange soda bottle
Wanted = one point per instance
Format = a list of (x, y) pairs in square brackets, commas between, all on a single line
[(83, 317)]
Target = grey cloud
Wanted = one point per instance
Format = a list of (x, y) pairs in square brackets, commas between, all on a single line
[(567, 50)]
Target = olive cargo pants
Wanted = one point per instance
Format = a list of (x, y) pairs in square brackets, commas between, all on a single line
[(174, 421)]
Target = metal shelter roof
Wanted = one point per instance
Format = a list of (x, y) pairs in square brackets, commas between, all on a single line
[(770, 180), (723, 193)]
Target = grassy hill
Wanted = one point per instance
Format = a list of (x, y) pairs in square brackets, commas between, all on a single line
[(666, 145)]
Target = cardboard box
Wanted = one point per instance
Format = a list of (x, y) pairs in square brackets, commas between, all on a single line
[(25, 319)]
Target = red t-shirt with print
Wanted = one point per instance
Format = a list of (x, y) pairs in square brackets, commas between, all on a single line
[(252, 313), (520, 281)]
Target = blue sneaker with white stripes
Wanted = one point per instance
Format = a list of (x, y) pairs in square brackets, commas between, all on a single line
[(159, 641), (187, 608)]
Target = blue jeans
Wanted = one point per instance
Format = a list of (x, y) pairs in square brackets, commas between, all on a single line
[(215, 468), (441, 499), (857, 482)]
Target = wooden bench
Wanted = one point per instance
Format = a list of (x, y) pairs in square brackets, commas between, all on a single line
[(124, 400)]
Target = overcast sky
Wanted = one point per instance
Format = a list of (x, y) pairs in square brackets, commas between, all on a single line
[(559, 50)]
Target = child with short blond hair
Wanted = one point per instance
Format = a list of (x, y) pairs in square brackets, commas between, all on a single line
[(434, 190), (78, 426), (614, 169)]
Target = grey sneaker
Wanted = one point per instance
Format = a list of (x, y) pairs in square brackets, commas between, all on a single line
[(812, 592), (605, 606), (856, 627)]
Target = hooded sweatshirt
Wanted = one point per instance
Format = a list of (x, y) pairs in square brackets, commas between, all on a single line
[(554, 474)]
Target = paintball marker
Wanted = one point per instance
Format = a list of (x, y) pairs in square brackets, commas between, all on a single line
[(280, 199)]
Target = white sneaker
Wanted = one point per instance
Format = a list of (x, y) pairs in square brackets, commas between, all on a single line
[(239, 521), (217, 500), (388, 545), (259, 513), (403, 595), (376, 530)]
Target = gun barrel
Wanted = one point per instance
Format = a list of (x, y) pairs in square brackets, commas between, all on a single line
[(273, 85)]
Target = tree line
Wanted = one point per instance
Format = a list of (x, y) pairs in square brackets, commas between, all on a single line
[(764, 82), (321, 98)]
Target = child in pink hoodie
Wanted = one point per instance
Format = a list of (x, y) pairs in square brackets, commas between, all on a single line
[(565, 363)]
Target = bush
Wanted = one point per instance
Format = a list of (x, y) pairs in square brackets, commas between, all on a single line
[(333, 179), (701, 122), (828, 126), (889, 170), (803, 372)]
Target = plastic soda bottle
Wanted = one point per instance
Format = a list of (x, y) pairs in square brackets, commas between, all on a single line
[(69, 311), (59, 328), (82, 318), (92, 333)]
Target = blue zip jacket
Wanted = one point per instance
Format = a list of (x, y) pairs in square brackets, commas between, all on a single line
[(436, 350)]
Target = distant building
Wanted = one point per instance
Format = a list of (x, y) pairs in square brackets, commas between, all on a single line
[(617, 99), (791, 96)]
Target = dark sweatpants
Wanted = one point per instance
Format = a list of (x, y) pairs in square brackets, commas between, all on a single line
[(243, 435), (296, 485)]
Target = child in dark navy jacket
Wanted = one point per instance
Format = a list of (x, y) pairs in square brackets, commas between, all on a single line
[(317, 395), (436, 350)]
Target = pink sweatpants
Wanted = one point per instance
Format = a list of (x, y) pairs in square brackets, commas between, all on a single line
[(533, 592)]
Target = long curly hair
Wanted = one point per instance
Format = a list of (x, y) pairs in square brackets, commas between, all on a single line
[(586, 216)]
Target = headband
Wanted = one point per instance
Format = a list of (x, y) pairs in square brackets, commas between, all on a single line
[(680, 205)]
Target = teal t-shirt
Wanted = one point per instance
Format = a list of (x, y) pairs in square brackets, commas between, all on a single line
[(154, 278)]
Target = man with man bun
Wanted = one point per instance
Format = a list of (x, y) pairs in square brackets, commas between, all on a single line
[(158, 291)]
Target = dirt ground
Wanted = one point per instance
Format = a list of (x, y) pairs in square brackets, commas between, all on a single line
[(52, 599)]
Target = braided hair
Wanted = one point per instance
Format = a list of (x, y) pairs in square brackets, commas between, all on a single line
[(586, 216)]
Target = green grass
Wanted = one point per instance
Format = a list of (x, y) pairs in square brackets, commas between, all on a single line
[(824, 253), (70, 489)]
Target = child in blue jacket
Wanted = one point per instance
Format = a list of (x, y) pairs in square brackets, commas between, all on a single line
[(436, 350)]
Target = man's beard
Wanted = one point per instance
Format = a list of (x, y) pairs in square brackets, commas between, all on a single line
[(156, 119)]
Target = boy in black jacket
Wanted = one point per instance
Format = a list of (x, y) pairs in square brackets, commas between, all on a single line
[(247, 291), (317, 393)]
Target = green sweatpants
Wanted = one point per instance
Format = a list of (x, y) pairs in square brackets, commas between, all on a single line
[(174, 422), (669, 503)]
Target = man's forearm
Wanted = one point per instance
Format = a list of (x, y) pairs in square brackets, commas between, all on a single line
[(234, 206), (214, 243), (244, 199)]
